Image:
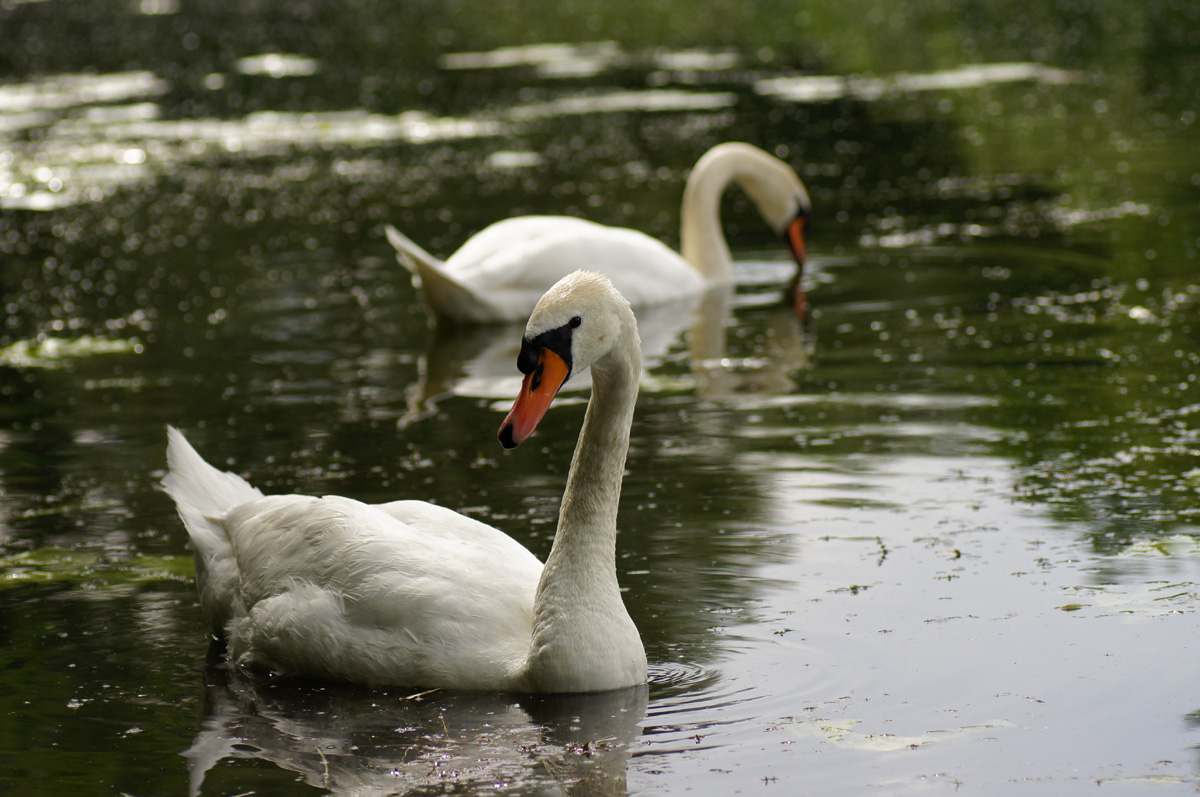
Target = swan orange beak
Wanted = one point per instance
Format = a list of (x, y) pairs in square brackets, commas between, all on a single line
[(795, 240), (537, 391)]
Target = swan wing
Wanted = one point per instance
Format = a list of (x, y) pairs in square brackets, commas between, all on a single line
[(336, 588)]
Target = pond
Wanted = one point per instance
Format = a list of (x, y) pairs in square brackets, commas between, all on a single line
[(947, 543)]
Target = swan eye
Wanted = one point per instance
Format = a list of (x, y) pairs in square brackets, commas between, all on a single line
[(575, 322)]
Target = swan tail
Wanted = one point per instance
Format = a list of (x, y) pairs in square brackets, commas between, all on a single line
[(199, 487), (203, 495), (409, 252), (443, 294)]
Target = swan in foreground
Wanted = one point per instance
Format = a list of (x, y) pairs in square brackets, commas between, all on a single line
[(410, 593), (499, 274)]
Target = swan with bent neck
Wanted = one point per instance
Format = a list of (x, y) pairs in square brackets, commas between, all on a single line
[(410, 593), (499, 273)]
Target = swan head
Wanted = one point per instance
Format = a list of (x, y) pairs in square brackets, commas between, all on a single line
[(575, 323), (781, 198), (775, 188), (783, 202)]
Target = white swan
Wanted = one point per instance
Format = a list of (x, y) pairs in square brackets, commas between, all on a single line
[(499, 274), (410, 593)]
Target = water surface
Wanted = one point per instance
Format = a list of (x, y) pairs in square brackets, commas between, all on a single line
[(949, 545)]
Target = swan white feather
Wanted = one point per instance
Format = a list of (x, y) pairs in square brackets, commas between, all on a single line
[(414, 594), (500, 273)]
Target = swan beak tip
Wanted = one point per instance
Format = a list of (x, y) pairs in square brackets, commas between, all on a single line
[(537, 391), (506, 436), (794, 236)]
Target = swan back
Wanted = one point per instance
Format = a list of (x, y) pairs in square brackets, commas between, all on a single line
[(502, 272)]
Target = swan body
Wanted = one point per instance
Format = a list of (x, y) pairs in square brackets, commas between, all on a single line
[(410, 593), (500, 273)]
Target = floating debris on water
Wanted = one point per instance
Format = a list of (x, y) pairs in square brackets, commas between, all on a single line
[(48, 352)]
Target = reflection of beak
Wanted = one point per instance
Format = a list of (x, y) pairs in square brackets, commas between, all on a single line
[(799, 302), (537, 391)]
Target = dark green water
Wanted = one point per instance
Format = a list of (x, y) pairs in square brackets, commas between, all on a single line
[(954, 548)]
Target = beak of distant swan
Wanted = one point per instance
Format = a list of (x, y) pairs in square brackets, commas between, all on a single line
[(795, 241), (537, 391)]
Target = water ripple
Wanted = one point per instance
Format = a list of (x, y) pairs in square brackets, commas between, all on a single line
[(693, 703)]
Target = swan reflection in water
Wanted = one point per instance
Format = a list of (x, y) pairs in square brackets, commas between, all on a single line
[(353, 740), (787, 349), (477, 361)]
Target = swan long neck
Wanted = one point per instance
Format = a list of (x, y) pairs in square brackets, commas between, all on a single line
[(702, 239), (587, 520), (771, 184), (578, 610)]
